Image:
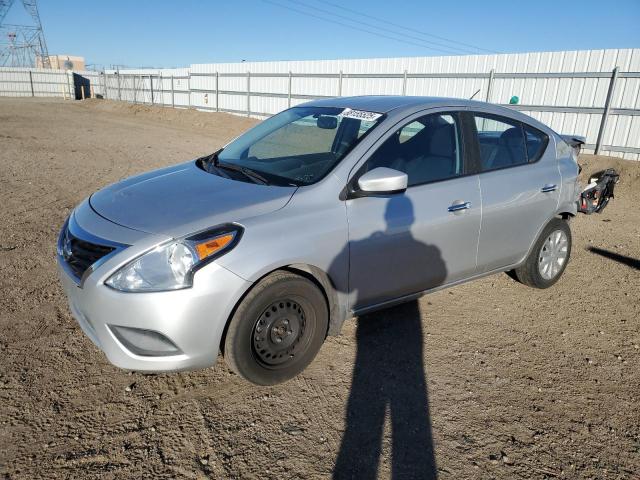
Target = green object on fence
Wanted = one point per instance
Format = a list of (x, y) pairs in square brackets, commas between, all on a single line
[(514, 100)]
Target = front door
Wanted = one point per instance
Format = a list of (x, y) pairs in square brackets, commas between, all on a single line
[(425, 237)]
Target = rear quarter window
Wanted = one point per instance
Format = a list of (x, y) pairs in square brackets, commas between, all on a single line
[(563, 149), (536, 142)]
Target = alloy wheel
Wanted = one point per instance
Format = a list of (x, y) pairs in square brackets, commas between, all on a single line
[(553, 255)]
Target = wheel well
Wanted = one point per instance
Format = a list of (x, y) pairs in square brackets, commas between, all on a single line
[(315, 275), (327, 287), (565, 215)]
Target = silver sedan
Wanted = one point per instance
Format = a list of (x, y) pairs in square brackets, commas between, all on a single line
[(328, 210)]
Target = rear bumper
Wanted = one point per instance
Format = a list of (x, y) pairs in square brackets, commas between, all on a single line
[(193, 319)]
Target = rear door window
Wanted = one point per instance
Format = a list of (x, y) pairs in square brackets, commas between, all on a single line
[(502, 142)]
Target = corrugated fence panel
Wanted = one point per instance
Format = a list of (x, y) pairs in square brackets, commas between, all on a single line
[(566, 90), (35, 82), (164, 87)]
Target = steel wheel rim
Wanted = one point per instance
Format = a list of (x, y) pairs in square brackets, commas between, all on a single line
[(280, 333), (553, 255)]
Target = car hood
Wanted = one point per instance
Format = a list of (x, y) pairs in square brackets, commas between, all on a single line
[(184, 199)]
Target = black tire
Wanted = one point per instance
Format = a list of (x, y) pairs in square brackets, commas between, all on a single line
[(529, 273), (277, 330)]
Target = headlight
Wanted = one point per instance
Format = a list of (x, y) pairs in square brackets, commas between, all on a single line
[(171, 266)]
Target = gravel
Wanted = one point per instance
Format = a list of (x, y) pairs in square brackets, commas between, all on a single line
[(519, 382)]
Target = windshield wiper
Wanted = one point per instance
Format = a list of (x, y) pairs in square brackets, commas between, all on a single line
[(247, 172), (212, 160)]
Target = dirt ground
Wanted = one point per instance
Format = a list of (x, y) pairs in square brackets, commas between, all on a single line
[(502, 381)]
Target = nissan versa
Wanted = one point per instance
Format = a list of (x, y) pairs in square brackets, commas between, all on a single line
[(327, 210)]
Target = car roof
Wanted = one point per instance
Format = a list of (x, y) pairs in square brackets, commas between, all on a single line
[(386, 103)]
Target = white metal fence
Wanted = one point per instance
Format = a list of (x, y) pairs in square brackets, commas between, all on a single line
[(41, 82), (168, 87), (35, 82), (595, 93)]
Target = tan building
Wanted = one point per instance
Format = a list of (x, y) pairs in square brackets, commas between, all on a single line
[(63, 62)]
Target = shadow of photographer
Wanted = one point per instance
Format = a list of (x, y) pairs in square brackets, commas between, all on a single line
[(389, 378)]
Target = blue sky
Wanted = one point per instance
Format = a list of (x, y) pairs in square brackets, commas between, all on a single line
[(167, 34)]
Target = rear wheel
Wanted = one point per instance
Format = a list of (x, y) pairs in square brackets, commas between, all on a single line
[(548, 258), (277, 329)]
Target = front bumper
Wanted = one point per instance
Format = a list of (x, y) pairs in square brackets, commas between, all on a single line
[(193, 319)]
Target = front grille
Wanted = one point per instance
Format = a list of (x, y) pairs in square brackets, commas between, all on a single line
[(80, 254)]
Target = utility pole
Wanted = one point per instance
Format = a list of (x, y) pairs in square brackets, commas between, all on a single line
[(22, 45)]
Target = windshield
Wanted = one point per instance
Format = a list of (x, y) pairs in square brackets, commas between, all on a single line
[(300, 145)]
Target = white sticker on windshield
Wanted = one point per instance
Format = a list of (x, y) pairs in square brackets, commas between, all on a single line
[(360, 114)]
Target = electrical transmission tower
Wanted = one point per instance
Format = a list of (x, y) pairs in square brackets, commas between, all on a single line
[(22, 45)]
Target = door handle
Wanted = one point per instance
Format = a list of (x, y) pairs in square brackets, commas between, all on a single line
[(460, 206), (548, 188)]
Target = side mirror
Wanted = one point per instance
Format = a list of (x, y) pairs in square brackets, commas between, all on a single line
[(383, 180)]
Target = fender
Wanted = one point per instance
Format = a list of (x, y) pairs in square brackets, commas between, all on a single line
[(565, 215), (338, 309)]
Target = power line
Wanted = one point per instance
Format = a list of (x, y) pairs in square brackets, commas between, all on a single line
[(450, 48), (408, 28), (352, 27)]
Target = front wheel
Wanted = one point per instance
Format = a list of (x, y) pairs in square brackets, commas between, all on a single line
[(277, 329), (548, 258)]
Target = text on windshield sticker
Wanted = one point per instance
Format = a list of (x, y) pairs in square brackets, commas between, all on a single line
[(360, 114)]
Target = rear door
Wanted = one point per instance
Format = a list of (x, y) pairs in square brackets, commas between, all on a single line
[(520, 185), (427, 236)]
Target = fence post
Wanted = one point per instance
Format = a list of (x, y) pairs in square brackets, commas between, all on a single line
[(248, 94), (104, 82), (133, 87), (69, 87), (119, 89), (189, 88), (289, 91), (173, 98), (607, 109), (151, 87), (33, 94), (404, 83), (340, 84), (217, 90), (490, 84)]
